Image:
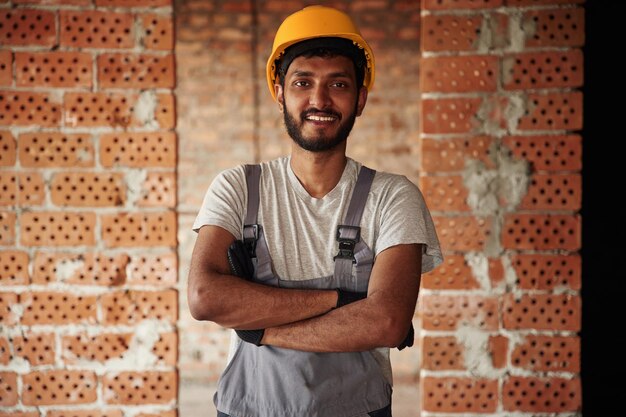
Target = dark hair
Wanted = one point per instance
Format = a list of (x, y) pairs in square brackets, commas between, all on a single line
[(326, 48)]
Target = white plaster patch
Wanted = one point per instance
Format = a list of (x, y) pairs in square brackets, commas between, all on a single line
[(139, 354), (66, 268), (135, 179), (477, 357), (482, 186), (479, 264), (145, 109)]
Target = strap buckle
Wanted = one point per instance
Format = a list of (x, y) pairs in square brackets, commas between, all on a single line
[(348, 237), (250, 237)]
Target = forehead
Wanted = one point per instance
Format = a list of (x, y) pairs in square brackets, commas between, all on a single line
[(322, 66)]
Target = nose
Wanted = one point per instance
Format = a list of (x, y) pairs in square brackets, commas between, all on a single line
[(320, 97)]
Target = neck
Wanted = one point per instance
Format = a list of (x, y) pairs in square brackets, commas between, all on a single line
[(318, 172)]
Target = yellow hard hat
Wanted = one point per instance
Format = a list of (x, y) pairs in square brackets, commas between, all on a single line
[(317, 22)]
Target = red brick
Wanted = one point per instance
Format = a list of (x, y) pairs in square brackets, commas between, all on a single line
[(498, 346), (36, 348), (133, 3), (451, 32), (57, 308), (146, 149), (453, 274), (149, 269), (451, 312), (80, 268), (88, 189), (547, 272), (562, 111), (57, 228), (548, 354), (165, 112), (541, 232), (7, 228), (19, 413), (168, 413), (100, 348), (28, 27), (547, 153), (158, 32), (7, 312), (136, 71), (59, 2), (439, 155), (542, 312), (462, 233), (460, 4), (84, 413), (553, 192), (86, 29), (53, 69), (8, 389), (131, 307), (550, 395), (444, 74), (496, 271), (21, 188), (444, 193), (135, 388), (52, 149), (554, 27), (455, 395), (442, 353), (99, 109), (166, 349), (5, 351), (139, 229), (59, 387), (7, 148), (28, 108), (552, 69), (158, 190), (452, 115), (6, 68), (14, 267)]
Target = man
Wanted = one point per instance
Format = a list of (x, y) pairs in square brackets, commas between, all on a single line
[(338, 250)]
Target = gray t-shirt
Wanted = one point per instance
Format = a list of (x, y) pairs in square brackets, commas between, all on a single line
[(301, 230)]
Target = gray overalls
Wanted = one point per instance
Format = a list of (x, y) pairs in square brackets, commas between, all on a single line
[(266, 381)]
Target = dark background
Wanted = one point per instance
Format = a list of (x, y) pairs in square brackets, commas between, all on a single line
[(604, 175)]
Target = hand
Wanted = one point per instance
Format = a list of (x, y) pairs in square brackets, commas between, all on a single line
[(241, 266), (239, 261), (347, 297), (251, 336), (408, 340)]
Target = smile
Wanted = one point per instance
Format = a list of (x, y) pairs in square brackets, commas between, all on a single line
[(321, 118)]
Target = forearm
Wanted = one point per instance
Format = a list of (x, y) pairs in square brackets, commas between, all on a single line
[(239, 304), (356, 327)]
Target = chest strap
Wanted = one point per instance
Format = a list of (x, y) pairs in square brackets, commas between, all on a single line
[(252, 231), (349, 233)]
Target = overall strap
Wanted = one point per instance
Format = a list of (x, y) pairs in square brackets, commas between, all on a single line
[(349, 233), (252, 231)]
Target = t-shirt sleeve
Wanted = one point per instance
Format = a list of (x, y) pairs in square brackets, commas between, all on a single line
[(224, 202), (405, 219)]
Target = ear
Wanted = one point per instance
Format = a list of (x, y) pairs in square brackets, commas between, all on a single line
[(362, 99), (280, 98)]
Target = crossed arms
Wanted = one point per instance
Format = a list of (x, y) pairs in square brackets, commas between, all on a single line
[(305, 319)]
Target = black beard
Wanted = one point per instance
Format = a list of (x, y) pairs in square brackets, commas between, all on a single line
[(319, 144)]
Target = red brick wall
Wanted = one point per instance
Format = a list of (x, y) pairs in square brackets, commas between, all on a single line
[(500, 166), (88, 230)]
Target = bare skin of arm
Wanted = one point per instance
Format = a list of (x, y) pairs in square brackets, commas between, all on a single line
[(382, 319), (216, 295)]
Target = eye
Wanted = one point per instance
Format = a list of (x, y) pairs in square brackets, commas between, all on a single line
[(339, 84), (300, 83)]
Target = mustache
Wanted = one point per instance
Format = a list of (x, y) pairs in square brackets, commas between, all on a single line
[(318, 112)]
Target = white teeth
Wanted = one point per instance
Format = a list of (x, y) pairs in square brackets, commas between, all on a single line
[(321, 118)]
